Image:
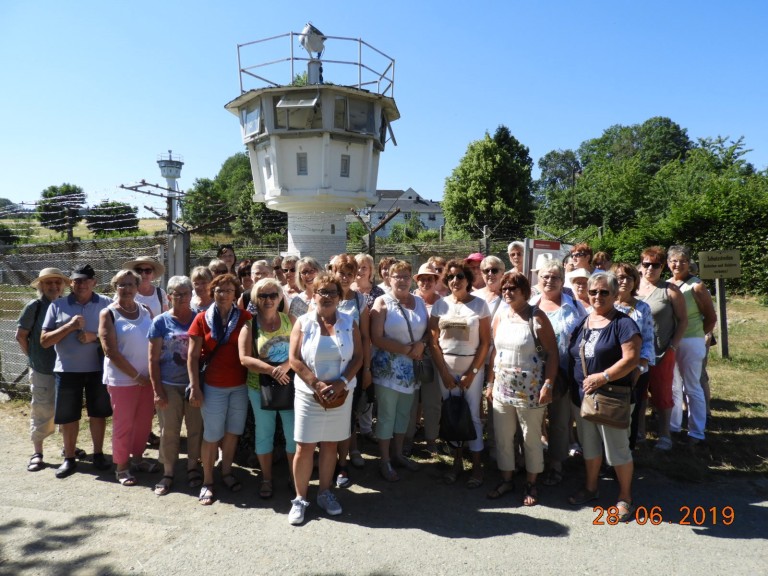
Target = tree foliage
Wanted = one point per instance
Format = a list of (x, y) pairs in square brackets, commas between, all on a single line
[(59, 206), (491, 186), (110, 217)]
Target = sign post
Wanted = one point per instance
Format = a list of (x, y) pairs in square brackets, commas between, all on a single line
[(719, 265)]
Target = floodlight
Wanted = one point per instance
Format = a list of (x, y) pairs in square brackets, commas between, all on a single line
[(312, 40)]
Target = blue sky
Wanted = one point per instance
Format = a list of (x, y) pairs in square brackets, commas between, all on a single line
[(94, 91)]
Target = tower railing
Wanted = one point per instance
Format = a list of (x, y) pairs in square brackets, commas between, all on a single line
[(359, 65)]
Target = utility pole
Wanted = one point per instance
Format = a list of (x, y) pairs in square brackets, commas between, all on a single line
[(370, 238)]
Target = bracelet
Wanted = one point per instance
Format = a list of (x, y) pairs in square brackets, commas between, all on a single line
[(606, 376), (547, 386), (344, 379)]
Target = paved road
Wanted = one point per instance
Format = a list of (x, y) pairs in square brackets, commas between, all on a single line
[(87, 524)]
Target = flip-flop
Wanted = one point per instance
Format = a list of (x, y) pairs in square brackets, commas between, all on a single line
[(194, 478), (629, 513), (265, 490), (206, 497), (36, 462), (125, 477), (164, 486), (232, 483)]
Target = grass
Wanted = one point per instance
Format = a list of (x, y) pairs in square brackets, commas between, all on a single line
[(29, 230), (736, 438)]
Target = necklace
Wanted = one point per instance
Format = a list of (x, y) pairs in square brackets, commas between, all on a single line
[(124, 309)]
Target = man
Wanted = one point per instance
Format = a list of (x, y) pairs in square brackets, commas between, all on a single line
[(71, 326), (515, 253), (473, 263), (50, 286)]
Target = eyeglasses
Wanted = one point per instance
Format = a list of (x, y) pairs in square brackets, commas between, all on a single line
[(327, 293), (459, 276), (127, 285), (224, 291), (510, 288), (602, 293), (144, 270), (551, 278), (578, 254), (654, 265), (308, 271), (678, 261), (289, 270), (271, 296), (491, 271)]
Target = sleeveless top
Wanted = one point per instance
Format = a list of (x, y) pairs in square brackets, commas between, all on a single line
[(695, 321), (664, 321), (519, 372), (132, 344), (270, 347)]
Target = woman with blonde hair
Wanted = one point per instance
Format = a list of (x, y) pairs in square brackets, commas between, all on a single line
[(364, 279)]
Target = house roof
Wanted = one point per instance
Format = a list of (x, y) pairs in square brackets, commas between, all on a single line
[(407, 200)]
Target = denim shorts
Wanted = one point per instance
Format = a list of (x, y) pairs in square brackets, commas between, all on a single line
[(224, 411), (69, 396)]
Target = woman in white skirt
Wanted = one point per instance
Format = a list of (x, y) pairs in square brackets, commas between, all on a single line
[(326, 353)]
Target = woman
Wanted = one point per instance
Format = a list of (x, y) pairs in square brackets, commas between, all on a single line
[(226, 253), (263, 346), (692, 351), (515, 252), (290, 288), (222, 395), (364, 279), (244, 275), (608, 343), (344, 267), (384, 265), (218, 267), (581, 256), (168, 345), (201, 282), (492, 269), (326, 354), (259, 269), (460, 327), (308, 268), (123, 328), (398, 325), (430, 396), (153, 297), (520, 383), (564, 315), (438, 265), (577, 279), (628, 279), (602, 261), (670, 321)]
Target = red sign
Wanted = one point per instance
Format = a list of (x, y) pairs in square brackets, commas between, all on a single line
[(546, 245)]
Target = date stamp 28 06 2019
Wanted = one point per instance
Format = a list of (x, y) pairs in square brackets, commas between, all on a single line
[(655, 515)]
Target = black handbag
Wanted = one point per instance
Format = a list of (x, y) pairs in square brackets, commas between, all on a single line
[(276, 396), (456, 420)]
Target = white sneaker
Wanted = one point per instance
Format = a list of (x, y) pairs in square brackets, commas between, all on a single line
[(296, 515), (327, 501)]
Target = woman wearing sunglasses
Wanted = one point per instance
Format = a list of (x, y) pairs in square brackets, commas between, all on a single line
[(581, 256), (608, 344), (291, 288), (263, 347), (670, 321), (461, 337), (153, 297), (307, 270)]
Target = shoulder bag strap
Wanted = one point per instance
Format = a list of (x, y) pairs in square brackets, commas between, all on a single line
[(536, 341)]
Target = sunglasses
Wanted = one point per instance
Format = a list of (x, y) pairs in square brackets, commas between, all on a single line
[(654, 265), (491, 271), (578, 254), (459, 276), (144, 270), (602, 293), (327, 293), (271, 296), (289, 270), (510, 288)]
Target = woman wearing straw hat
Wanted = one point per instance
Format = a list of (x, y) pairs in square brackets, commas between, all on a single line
[(50, 285), (153, 297)]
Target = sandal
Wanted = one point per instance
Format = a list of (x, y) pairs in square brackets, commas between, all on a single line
[(125, 477), (388, 473), (552, 477), (629, 510), (474, 482), (145, 466), (265, 491), (206, 497), (583, 496), (164, 486), (232, 483), (530, 495), (36, 462), (501, 488), (194, 478)]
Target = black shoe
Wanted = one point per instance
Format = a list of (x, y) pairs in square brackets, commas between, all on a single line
[(100, 462), (67, 468)]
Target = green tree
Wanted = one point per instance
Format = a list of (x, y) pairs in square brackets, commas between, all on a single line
[(491, 186), (555, 190), (110, 217), (59, 207), (204, 203)]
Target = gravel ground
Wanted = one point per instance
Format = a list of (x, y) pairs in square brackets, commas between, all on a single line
[(88, 524)]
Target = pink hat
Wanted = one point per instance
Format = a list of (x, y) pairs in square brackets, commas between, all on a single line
[(476, 256)]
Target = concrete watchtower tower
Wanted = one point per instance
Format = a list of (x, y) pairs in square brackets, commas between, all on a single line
[(314, 147), (170, 169)]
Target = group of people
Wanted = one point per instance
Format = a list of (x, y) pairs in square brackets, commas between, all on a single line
[(309, 346)]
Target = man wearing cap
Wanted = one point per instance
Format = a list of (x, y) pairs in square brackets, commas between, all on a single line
[(473, 262), (71, 325), (153, 297), (50, 285)]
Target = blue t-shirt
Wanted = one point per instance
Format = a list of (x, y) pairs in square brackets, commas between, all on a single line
[(602, 349), (173, 355), (71, 354)]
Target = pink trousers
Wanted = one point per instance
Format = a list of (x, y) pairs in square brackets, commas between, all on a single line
[(133, 408)]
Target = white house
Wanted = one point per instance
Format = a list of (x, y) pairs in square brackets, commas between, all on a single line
[(411, 205)]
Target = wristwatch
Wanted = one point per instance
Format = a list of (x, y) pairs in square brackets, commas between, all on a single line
[(605, 375), (643, 369), (344, 379)]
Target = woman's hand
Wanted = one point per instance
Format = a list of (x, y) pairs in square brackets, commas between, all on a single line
[(142, 380), (467, 378), (545, 394), (448, 380), (280, 373), (489, 392), (196, 397), (593, 382), (417, 350), (161, 400), (87, 337), (328, 390)]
